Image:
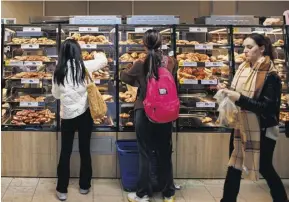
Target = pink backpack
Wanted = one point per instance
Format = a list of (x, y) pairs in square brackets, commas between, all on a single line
[(161, 103)]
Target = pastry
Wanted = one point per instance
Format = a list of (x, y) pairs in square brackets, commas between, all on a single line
[(107, 98), (129, 124), (124, 115), (206, 120)]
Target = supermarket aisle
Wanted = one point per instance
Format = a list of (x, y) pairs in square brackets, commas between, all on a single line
[(103, 190)]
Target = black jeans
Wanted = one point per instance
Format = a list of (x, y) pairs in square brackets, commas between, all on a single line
[(233, 179), (158, 137), (82, 124)]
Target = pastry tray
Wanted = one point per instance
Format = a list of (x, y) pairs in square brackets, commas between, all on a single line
[(194, 119), (48, 97)]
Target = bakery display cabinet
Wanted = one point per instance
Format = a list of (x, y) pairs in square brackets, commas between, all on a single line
[(99, 38), (131, 49), (278, 38), (204, 60), (29, 111)]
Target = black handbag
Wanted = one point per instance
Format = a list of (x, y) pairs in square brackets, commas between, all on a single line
[(287, 129)]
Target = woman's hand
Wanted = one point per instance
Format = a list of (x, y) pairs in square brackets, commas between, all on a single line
[(232, 95)]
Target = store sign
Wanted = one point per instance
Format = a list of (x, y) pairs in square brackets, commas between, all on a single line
[(244, 30), (29, 46), (88, 46), (188, 81), (190, 64), (142, 29), (198, 29), (97, 81), (205, 104), (14, 63), (263, 29), (31, 29), (33, 63), (209, 82), (214, 64), (88, 29), (30, 81), (28, 104), (203, 47)]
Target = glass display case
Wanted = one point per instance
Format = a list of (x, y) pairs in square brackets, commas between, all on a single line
[(29, 55), (131, 49), (99, 38), (203, 54), (278, 38)]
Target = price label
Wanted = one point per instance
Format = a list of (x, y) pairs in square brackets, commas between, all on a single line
[(88, 46), (188, 81), (142, 29), (14, 63), (164, 47), (29, 46), (88, 29), (244, 30), (209, 82), (206, 104), (204, 47), (190, 64), (28, 104), (214, 64), (30, 81), (97, 81), (263, 29), (33, 63), (198, 29), (31, 29)]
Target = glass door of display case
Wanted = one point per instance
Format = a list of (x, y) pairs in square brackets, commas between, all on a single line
[(131, 49), (99, 38), (278, 38), (204, 60), (29, 56)]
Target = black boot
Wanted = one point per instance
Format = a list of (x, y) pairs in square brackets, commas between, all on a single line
[(232, 185)]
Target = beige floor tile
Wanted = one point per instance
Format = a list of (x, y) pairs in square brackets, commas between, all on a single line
[(193, 183), (215, 190), (24, 182), (107, 188), (213, 182), (5, 181), (199, 193), (109, 199), (46, 186), (240, 199), (19, 194), (45, 197)]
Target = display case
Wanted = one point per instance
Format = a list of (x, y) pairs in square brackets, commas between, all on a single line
[(29, 55), (203, 54), (277, 35), (131, 49), (99, 38)]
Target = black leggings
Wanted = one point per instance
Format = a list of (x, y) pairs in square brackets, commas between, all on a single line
[(83, 124), (158, 137), (233, 178)]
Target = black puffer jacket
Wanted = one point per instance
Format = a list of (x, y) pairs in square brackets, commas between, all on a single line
[(267, 106)]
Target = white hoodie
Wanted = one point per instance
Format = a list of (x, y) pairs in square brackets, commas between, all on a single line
[(73, 98)]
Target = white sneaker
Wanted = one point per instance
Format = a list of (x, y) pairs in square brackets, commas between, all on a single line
[(84, 191), (61, 196), (132, 197)]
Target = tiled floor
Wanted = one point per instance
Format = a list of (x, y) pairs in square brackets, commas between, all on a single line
[(43, 190)]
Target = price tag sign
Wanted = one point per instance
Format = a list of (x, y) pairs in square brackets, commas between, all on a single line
[(209, 82), (29, 46), (205, 104), (198, 29), (88, 29), (88, 46), (14, 63), (190, 64), (204, 47), (28, 104), (188, 81), (33, 63), (214, 64), (30, 81), (31, 29), (97, 81), (263, 29), (164, 47), (244, 30), (142, 29)]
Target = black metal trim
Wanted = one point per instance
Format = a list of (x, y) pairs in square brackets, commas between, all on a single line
[(117, 75)]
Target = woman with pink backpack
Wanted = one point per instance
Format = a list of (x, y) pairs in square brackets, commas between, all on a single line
[(157, 105)]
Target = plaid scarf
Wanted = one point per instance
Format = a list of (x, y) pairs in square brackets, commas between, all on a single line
[(249, 82)]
